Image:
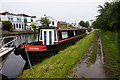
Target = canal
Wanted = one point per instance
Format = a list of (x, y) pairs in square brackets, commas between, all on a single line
[(14, 65)]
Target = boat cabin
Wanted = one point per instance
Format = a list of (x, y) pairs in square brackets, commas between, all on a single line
[(51, 36), (47, 36)]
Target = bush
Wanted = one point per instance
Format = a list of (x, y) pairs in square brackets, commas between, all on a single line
[(6, 25)]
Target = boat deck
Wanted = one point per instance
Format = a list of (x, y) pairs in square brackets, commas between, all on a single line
[(5, 50)]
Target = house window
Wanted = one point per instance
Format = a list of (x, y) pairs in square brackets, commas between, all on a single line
[(8, 18), (11, 18), (19, 25), (16, 25), (25, 19), (31, 20), (22, 26), (52, 22)]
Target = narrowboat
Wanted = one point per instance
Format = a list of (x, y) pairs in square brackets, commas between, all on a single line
[(89, 29), (50, 41)]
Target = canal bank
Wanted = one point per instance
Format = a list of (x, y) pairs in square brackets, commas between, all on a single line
[(8, 33), (60, 65)]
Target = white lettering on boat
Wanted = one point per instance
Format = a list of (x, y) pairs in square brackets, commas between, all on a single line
[(34, 48)]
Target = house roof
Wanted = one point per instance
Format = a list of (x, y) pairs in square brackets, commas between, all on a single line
[(7, 13), (51, 18), (23, 15), (62, 22), (33, 16)]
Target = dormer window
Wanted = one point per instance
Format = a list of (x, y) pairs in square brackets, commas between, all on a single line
[(25, 19), (31, 20), (52, 22), (8, 18), (18, 18)]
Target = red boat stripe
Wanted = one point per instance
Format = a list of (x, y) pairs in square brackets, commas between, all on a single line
[(35, 48)]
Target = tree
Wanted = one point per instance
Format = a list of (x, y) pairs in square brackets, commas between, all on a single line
[(87, 24), (45, 22), (34, 27), (7, 25), (81, 23), (109, 18)]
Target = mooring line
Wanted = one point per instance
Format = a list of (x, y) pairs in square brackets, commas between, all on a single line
[(28, 58)]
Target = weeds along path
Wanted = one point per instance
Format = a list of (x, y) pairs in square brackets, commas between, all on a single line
[(85, 69)]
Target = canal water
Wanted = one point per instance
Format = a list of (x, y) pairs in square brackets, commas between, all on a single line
[(14, 65)]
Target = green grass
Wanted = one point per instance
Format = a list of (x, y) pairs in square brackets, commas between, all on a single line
[(60, 65), (110, 50)]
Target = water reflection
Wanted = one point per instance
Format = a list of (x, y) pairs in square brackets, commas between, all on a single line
[(14, 65), (26, 38)]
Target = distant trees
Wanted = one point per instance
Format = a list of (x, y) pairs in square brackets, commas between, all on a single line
[(34, 27), (84, 24), (6, 25), (45, 22), (87, 24), (81, 23), (109, 18)]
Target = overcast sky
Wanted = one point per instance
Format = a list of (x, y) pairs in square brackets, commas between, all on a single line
[(61, 10)]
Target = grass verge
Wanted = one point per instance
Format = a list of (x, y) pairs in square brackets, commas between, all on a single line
[(110, 50), (60, 65), (94, 50)]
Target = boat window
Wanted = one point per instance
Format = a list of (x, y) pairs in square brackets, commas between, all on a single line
[(55, 35), (50, 37), (74, 33), (82, 31), (40, 34), (63, 35), (60, 35), (45, 36), (79, 32), (70, 34)]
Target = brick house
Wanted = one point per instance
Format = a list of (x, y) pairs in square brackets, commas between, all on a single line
[(61, 23)]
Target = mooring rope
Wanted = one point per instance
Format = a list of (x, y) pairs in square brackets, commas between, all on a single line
[(28, 58)]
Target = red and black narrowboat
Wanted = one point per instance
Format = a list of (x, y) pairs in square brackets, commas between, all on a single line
[(89, 29), (50, 41)]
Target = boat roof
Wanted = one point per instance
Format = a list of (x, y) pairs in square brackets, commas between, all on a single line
[(59, 28)]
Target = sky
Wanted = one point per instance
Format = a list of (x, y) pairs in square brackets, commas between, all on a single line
[(70, 11)]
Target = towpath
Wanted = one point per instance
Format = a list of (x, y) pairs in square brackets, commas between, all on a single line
[(95, 70)]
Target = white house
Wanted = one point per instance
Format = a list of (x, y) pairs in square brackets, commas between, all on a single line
[(19, 21), (53, 22)]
